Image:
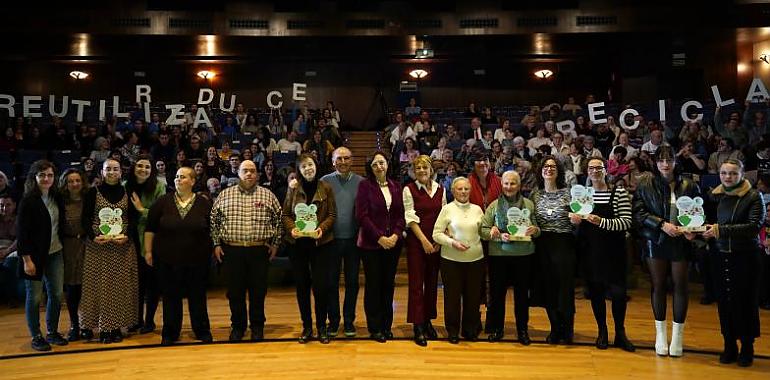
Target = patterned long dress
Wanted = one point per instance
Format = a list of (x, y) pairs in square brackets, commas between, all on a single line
[(110, 281)]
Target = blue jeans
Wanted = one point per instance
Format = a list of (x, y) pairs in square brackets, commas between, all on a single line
[(343, 249), (53, 279)]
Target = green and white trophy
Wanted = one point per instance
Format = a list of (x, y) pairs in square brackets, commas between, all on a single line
[(518, 223), (306, 219), (582, 202), (691, 215), (111, 223)]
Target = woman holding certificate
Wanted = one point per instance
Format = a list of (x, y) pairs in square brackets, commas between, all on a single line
[(110, 280), (602, 238), (739, 217), (509, 225), (462, 262), (308, 213), (655, 211)]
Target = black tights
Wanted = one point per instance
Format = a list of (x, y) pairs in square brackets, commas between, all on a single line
[(659, 276), (617, 296), (73, 293)]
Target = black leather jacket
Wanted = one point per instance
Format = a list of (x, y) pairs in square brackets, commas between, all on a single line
[(739, 220), (651, 205)]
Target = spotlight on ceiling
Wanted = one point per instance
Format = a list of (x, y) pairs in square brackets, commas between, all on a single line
[(765, 58), (205, 74), (78, 74), (543, 74), (418, 73)]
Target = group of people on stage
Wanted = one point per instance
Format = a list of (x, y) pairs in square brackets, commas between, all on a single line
[(116, 248)]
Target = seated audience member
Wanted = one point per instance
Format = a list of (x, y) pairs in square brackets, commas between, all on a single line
[(11, 288), (412, 109), (230, 176), (726, 150), (290, 144)]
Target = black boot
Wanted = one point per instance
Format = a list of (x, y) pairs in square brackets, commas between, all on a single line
[(602, 339), (419, 335), (622, 342), (523, 336), (430, 332), (730, 353), (323, 335), (746, 357), (569, 328), (306, 335)]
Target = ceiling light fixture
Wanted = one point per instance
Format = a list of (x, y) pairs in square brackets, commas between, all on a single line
[(765, 58), (205, 74), (78, 74), (418, 73), (543, 74)]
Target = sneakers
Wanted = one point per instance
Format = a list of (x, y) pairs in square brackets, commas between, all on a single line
[(74, 334), (56, 339), (40, 344), (350, 330)]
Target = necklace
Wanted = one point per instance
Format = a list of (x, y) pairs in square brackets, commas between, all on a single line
[(182, 202)]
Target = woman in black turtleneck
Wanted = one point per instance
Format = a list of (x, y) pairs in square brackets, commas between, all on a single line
[(309, 255), (110, 278)]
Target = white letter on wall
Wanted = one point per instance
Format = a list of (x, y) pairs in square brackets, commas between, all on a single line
[(622, 119), (718, 97), (80, 104), (271, 95), (177, 114), (64, 106)]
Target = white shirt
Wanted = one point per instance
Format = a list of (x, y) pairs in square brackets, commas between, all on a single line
[(284, 145), (410, 215), (388, 197), (499, 135), (463, 221), (395, 136)]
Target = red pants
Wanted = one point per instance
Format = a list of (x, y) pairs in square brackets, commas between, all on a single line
[(423, 281)]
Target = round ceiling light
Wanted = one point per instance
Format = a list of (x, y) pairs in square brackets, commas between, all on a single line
[(418, 73), (205, 74), (543, 74), (78, 74)]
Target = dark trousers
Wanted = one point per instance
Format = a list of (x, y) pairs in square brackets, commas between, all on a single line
[(310, 265), (149, 292), (176, 281), (764, 288), (462, 282), (246, 270), (380, 271), (505, 271), (423, 283), (343, 251), (556, 253)]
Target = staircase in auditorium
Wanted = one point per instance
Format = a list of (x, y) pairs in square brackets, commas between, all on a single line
[(362, 144)]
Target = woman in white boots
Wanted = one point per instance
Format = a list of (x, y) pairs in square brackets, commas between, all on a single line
[(666, 246)]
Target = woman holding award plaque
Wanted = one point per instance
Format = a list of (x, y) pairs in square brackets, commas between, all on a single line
[(462, 262), (423, 200), (655, 211), (110, 279), (555, 252), (308, 213), (739, 217), (602, 238), (509, 225)]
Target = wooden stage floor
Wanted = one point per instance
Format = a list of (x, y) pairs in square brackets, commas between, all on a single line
[(140, 356)]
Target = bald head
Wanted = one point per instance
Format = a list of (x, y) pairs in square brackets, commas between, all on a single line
[(247, 172)]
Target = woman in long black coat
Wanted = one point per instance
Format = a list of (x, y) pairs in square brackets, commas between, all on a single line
[(739, 213)]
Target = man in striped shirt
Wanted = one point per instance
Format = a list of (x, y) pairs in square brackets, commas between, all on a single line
[(246, 229)]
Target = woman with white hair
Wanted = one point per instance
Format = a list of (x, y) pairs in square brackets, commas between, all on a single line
[(462, 262)]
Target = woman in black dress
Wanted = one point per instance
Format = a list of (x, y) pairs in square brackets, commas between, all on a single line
[(602, 238), (739, 216), (177, 243), (665, 246)]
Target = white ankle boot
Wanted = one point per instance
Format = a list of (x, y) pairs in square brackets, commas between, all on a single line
[(661, 338), (676, 339)]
